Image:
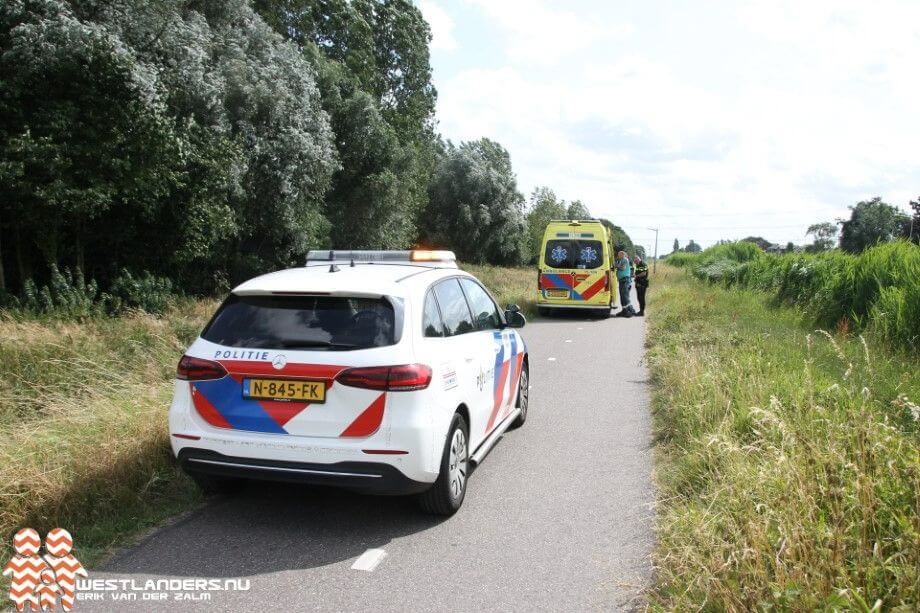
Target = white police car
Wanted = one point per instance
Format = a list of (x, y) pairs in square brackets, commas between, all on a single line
[(382, 372)]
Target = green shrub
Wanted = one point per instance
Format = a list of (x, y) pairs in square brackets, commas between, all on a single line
[(737, 252), (145, 292), (67, 294), (682, 260), (877, 290)]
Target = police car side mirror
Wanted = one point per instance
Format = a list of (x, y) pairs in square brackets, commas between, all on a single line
[(513, 317)]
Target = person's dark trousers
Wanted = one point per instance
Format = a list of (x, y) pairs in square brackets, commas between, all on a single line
[(640, 294)]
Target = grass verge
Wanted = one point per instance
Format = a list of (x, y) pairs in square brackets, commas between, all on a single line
[(789, 459), (509, 285), (83, 433)]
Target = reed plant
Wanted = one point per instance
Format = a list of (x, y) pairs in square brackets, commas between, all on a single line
[(876, 291), (789, 458)]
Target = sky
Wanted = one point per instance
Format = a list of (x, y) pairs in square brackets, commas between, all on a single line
[(707, 119)]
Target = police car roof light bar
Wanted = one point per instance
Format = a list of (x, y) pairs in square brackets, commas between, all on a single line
[(445, 259)]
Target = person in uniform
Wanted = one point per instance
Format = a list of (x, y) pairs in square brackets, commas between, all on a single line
[(640, 272)]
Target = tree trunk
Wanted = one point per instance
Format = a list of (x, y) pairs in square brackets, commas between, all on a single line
[(78, 246), (20, 261), (2, 275)]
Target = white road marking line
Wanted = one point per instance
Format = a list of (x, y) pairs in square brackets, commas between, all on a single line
[(369, 560), (550, 359), (568, 340)]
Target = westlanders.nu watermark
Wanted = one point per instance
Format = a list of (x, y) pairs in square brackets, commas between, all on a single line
[(175, 590)]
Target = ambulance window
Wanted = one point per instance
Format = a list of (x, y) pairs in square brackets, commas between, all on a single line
[(431, 318), (584, 254), (454, 310), (485, 314)]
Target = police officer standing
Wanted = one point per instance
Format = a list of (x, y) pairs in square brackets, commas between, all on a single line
[(640, 272)]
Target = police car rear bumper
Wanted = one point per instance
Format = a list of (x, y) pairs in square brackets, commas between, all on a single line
[(365, 477)]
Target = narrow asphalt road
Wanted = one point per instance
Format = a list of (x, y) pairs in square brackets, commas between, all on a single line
[(558, 517)]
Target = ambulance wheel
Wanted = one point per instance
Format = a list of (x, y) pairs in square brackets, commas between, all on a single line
[(211, 485), (523, 397), (447, 493)]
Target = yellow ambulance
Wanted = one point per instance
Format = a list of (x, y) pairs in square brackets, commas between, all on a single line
[(574, 267)]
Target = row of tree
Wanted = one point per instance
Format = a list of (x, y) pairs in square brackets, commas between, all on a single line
[(210, 140), (871, 222)]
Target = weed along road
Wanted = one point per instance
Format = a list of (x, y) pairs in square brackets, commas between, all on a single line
[(558, 517)]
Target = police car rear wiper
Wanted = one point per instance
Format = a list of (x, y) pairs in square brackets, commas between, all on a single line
[(303, 344)]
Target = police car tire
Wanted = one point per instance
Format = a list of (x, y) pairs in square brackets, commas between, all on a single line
[(523, 395), (438, 500), (211, 485)]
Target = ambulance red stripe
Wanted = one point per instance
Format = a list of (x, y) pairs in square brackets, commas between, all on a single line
[(596, 287)]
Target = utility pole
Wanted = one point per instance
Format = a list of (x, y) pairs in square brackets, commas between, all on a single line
[(655, 263)]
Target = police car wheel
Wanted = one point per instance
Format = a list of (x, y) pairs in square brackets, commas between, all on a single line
[(523, 398), (211, 485), (448, 492)]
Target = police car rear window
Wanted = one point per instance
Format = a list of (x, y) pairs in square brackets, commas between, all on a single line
[(574, 254), (303, 322)]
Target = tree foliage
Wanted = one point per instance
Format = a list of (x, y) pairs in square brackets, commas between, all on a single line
[(544, 206), (619, 239), (475, 207), (757, 240), (196, 143), (577, 210), (375, 77), (177, 137), (825, 235), (870, 222), (912, 225), (383, 44)]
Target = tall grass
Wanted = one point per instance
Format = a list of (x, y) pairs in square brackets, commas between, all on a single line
[(509, 285), (877, 290), (789, 464), (83, 434)]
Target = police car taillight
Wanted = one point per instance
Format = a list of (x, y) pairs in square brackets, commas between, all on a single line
[(196, 369), (405, 378)]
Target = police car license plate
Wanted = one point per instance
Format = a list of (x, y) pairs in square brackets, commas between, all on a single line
[(557, 293), (302, 390)]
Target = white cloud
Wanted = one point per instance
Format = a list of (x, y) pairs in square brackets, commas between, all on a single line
[(442, 26), (772, 116), (537, 34)]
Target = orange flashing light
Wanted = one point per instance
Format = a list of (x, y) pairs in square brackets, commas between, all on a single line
[(424, 255)]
